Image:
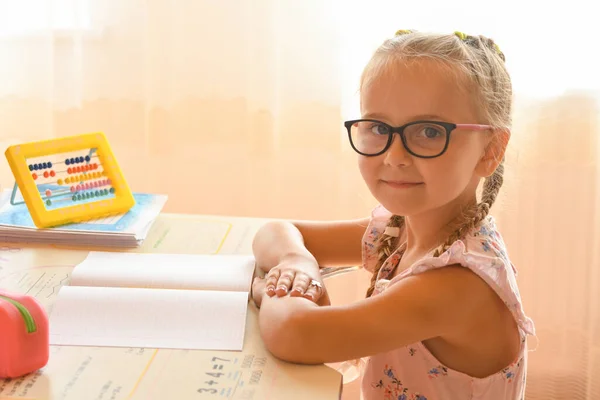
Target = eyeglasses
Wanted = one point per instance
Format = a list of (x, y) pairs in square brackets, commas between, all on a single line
[(423, 139)]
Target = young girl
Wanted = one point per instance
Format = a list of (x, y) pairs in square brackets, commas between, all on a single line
[(442, 319)]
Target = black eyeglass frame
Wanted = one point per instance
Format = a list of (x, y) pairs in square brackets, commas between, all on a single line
[(400, 131)]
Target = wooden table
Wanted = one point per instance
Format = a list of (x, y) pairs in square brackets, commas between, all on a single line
[(104, 373)]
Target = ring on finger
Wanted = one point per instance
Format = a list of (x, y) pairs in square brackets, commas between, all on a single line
[(315, 284)]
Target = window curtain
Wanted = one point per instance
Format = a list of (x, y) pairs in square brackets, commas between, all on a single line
[(236, 107)]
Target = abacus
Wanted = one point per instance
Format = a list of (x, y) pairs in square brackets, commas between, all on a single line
[(70, 179)]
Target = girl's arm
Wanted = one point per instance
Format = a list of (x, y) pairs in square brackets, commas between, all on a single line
[(437, 303), (292, 254), (326, 244)]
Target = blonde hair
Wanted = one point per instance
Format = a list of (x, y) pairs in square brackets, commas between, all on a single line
[(479, 62)]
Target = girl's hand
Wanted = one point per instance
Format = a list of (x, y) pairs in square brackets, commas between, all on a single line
[(280, 282), (298, 278)]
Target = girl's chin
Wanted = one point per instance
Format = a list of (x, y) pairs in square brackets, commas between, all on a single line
[(400, 209)]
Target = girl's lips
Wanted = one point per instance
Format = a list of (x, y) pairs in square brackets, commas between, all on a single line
[(402, 184)]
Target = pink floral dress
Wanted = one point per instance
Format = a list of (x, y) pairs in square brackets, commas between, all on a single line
[(412, 372)]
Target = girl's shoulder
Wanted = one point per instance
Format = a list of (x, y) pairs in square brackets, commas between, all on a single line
[(482, 250), (484, 240)]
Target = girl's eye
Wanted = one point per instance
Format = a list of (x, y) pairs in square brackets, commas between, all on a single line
[(432, 132), (380, 129)]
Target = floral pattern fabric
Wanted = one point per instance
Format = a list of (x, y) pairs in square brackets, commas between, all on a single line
[(412, 372)]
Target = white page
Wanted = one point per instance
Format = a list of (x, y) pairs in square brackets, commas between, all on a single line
[(150, 318), (167, 271)]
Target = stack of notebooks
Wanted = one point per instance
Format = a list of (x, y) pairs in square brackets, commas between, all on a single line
[(126, 230)]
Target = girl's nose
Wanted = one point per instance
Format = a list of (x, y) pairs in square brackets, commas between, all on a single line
[(397, 155)]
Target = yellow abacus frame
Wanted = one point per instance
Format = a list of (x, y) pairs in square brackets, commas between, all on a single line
[(17, 156)]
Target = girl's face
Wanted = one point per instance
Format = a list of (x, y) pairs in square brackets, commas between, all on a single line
[(408, 185)]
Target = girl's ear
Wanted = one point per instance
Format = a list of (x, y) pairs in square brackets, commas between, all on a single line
[(493, 153)]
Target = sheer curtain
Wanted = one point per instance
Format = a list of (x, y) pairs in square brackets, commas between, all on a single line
[(235, 107)]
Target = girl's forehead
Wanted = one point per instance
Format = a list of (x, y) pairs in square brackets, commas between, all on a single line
[(402, 90)]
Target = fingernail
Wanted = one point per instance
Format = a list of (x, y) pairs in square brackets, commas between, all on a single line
[(309, 296), (270, 290), (282, 288)]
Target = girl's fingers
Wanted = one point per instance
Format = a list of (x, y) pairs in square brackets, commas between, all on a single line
[(288, 281), (314, 290), (271, 281), (300, 285), (284, 284)]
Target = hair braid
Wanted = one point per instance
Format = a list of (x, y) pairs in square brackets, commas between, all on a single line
[(492, 46), (479, 42), (491, 187), (386, 244)]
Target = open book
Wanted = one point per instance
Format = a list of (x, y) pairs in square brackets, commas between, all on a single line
[(154, 300)]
